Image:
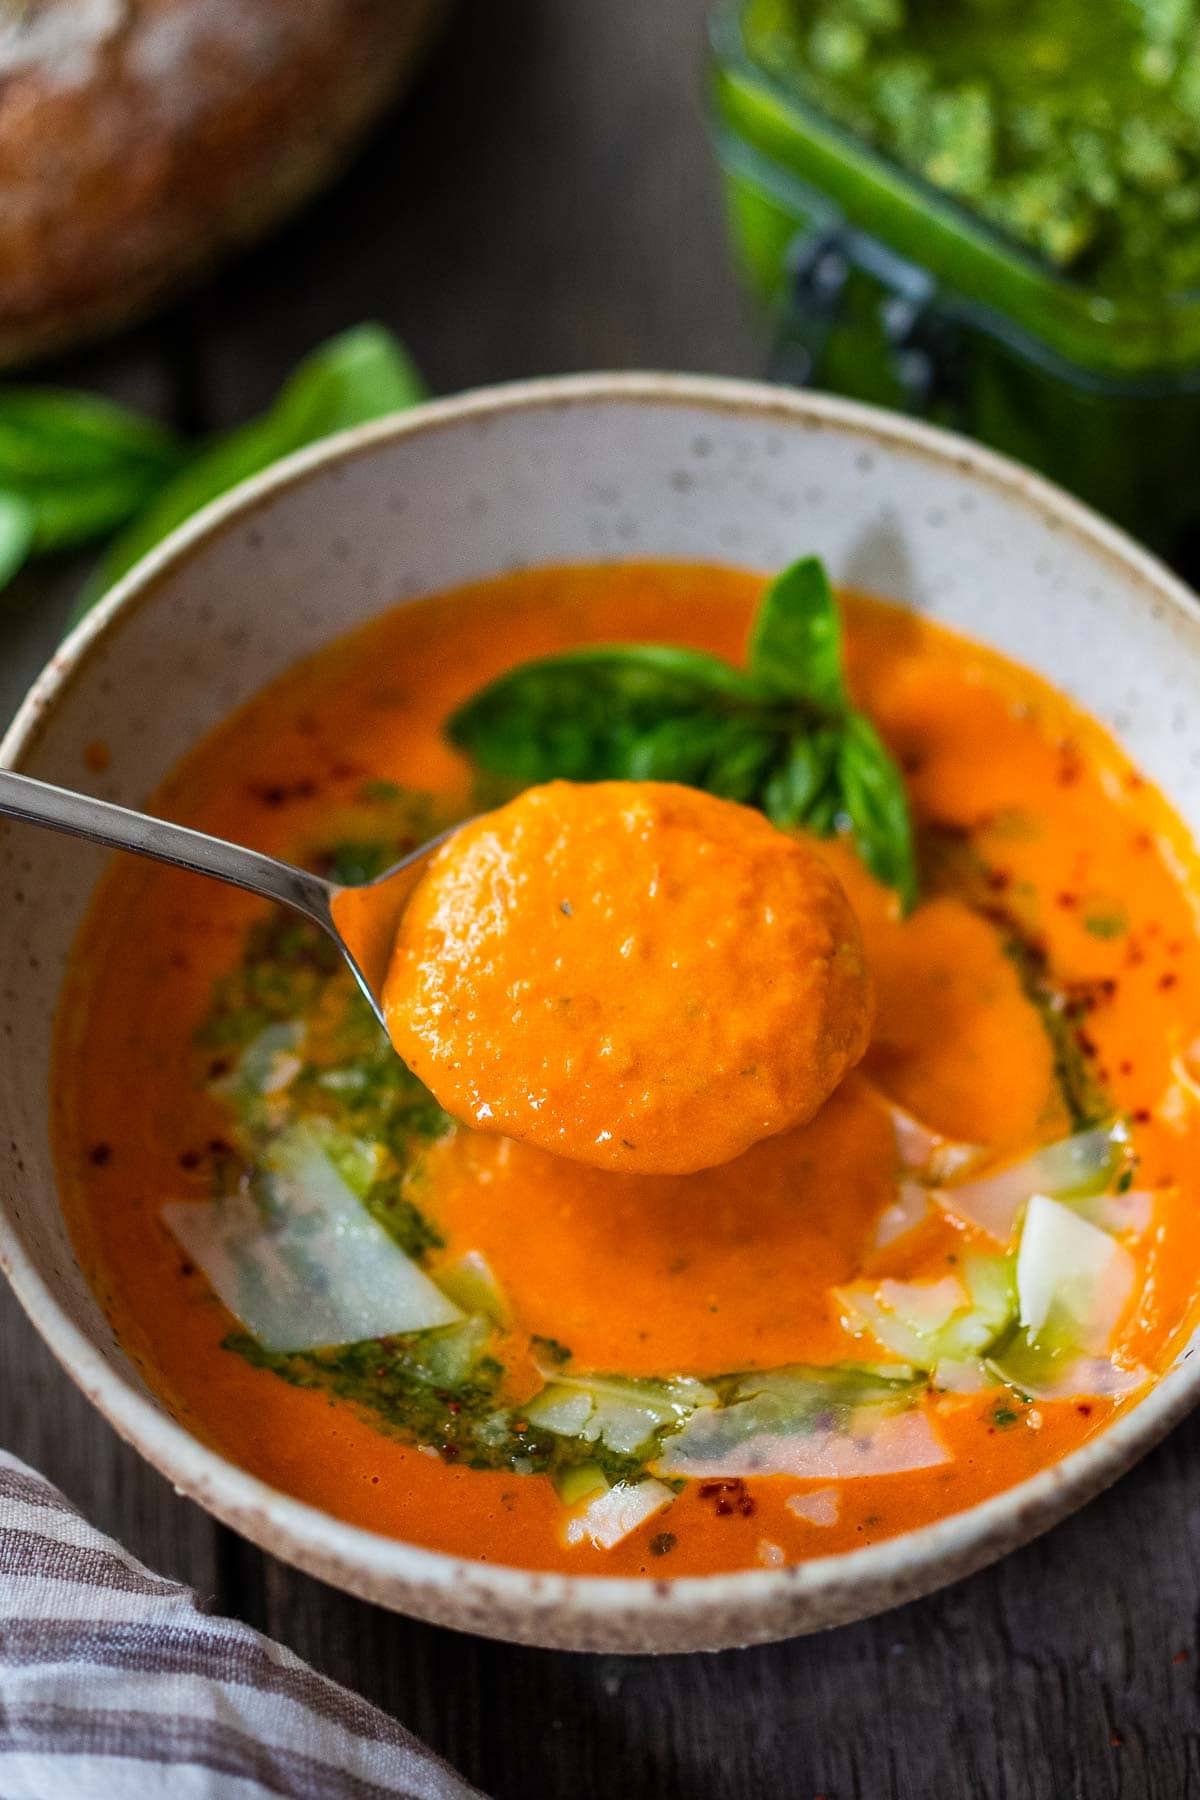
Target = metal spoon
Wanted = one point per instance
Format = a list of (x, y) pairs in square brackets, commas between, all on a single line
[(360, 919)]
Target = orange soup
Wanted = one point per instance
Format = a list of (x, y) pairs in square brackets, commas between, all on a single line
[(980, 1247)]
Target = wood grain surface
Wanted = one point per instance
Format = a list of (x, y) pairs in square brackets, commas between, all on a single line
[(547, 202)]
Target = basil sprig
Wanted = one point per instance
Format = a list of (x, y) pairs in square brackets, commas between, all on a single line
[(781, 734), (74, 467)]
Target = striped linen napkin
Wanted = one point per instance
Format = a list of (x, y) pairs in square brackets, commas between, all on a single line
[(115, 1686)]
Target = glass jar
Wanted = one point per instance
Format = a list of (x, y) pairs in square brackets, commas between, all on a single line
[(888, 290)]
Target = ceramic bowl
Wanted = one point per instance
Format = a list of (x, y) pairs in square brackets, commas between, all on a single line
[(590, 468)]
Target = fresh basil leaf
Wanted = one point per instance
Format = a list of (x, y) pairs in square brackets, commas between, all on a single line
[(796, 642), (67, 515), (16, 534), (680, 749), (876, 807), (743, 763), (805, 779), (363, 374), (614, 712), (81, 465), (781, 736), (53, 435)]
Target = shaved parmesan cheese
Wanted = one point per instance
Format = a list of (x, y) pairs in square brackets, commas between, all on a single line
[(925, 1152), (929, 1304), (300, 1262), (931, 1323), (903, 1316), (872, 1445), (968, 1376), (821, 1507), (1074, 1283), (814, 1423), (906, 1212), (624, 1414), (265, 1069), (1071, 1276), (1044, 1375), (1125, 1215), (620, 1510), (567, 1411), (1075, 1168)]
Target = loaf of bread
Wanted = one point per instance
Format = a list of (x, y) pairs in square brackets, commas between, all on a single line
[(142, 139)]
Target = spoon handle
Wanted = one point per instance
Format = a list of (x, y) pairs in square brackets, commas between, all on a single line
[(120, 828)]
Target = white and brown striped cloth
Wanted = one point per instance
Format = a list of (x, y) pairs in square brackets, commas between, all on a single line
[(115, 1686)]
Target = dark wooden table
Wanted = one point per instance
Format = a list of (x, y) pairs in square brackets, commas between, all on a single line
[(546, 202)]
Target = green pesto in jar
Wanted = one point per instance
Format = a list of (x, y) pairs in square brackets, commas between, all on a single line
[(1071, 125)]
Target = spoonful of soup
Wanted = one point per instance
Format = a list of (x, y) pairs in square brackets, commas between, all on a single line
[(635, 975)]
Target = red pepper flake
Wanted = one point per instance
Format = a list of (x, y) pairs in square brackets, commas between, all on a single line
[(1167, 982), (728, 1497), (1141, 1115), (1084, 1409), (1086, 1044), (97, 756), (520, 1426), (455, 1406), (450, 1452), (190, 1159), (1135, 956), (218, 1147), (220, 1065), (1115, 1739), (998, 880), (278, 793), (1134, 781), (1066, 900), (1143, 841), (1125, 1067), (1086, 996), (1182, 1656), (99, 1155)]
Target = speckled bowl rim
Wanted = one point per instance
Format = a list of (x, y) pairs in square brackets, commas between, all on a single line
[(580, 1611)]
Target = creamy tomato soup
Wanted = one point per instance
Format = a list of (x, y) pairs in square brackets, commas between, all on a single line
[(980, 1246)]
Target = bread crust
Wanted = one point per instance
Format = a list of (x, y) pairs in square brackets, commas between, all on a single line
[(142, 140)]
